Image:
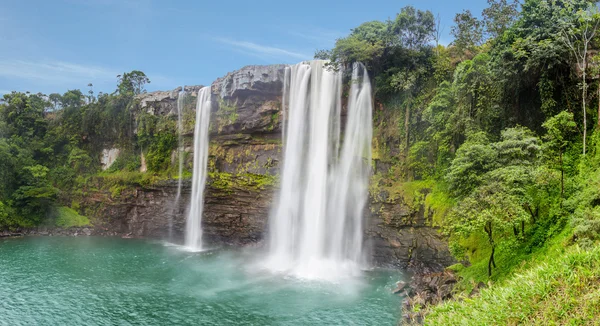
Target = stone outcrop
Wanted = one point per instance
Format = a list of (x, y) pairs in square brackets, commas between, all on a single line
[(109, 156), (249, 100), (402, 237), (424, 290), (234, 214), (164, 102), (244, 156)]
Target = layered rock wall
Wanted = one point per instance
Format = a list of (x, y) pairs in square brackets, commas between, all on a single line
[(244, 157)]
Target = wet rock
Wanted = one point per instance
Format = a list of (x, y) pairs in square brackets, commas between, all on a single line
[(424, 290), (400, 286)]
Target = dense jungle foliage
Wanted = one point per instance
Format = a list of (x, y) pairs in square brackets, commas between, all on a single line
[(50, 146), (505, 121)]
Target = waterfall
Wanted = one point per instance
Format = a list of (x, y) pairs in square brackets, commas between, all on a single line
[(316, 226), (193, 231), (180, 152)]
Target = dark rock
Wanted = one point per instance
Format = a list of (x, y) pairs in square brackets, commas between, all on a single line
[(477, 288), (433, 288), (424, 290), (399, 287)]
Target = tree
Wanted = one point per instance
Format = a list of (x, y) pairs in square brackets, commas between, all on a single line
[(499, 16), (36, 194), (518, 146), (579, 29), (56, 100), (559, 130), (491, 209), (467, 31), (414, 28), (518, 151), (594, 68), (72, 99), (132, 83), (438, 30), (493, 183), (473, 159), (385, 47), (91, 93)]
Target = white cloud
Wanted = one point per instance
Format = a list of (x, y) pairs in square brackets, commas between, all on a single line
[(54, 71), (263, 50), (316, 35)]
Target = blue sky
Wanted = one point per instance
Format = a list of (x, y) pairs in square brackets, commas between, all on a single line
[(51, 46)]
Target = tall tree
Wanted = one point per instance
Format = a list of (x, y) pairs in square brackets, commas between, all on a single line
[(132, 83), (467, 31), (414, 28), (499, 16), (559, 130), (579, 29)]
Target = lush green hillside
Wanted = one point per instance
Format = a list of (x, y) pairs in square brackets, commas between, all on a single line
[(504, 122), (555, 286), (50, 148)]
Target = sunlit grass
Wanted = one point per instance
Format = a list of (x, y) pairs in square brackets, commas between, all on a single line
[(68, 217), (558, 285)]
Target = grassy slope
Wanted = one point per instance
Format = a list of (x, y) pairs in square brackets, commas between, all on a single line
[(68, 217), (556, 285)]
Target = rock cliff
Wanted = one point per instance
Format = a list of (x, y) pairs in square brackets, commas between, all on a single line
[(244, 157)]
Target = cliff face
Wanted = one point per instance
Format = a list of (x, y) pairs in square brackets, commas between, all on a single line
[(244, 157)]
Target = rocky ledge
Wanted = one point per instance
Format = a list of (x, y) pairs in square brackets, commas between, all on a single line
[(63, 232)]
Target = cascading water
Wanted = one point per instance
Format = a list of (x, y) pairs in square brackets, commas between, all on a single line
[(180, 150), (350, 189), (193, 231), (316, 227)]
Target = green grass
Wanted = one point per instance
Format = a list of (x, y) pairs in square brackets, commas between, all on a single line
[(511, 256), (68, 217), (556, 285), (249, 181)]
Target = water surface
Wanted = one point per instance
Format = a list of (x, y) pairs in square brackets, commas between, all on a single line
[(113, 281)]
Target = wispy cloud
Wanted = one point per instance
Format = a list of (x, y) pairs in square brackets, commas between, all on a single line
[(128, 4), (55, 71), (262, 50), (317, 35)]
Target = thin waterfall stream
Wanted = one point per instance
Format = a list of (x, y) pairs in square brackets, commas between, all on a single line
[(193, 231), (180, 157)]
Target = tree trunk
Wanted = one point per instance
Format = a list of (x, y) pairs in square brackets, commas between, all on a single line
[(523, 228), (562, 178), (532, 213), (491, 262), (409, 172), (406, 125), (583, 94)]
